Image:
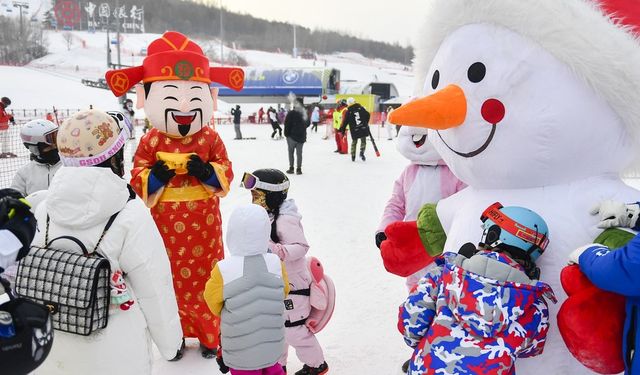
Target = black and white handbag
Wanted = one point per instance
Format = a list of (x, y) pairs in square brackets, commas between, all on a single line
[(75, 287)]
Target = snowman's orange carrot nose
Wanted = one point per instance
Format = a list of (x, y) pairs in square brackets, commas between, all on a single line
[(444, 109)]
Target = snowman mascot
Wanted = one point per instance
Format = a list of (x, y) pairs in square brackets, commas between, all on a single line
[(534, 104), (181, 168), (426, 180)]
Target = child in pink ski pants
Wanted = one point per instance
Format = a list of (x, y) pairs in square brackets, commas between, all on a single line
[(292, 248)]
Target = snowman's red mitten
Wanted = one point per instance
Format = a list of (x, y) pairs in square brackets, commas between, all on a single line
[(593, 340), (402, 252), (412, 245)]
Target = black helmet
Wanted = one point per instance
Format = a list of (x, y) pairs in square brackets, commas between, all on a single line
[(6, 101), (272, 176)]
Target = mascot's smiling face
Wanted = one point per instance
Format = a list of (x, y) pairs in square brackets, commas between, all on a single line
[(178, 108)]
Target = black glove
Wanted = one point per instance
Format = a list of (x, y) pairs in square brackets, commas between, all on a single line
[(380, 236), (161, 172), (12, 120), (16, 217), (198, 168)]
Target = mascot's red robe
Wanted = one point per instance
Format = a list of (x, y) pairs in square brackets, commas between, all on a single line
[(188, 216)]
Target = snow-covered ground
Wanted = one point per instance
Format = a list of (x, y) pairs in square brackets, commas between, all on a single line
[(341, 203)]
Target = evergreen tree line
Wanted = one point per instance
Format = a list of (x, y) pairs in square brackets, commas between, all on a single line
[(202, 20)]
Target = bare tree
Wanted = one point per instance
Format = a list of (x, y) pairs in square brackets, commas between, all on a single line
[(68, 39)]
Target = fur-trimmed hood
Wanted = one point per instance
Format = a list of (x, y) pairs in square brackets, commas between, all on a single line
[(603, 51)]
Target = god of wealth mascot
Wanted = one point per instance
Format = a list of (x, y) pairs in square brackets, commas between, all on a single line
[(181, 168), (534, 104)]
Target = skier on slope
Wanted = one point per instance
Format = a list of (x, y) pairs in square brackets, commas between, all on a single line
[(39, 137), (269, 189), (275, 125)]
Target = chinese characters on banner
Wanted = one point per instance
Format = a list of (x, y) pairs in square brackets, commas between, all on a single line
[(86, 15)]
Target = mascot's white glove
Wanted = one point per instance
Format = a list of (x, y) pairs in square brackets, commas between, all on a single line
[(574, 257), (616, 214)]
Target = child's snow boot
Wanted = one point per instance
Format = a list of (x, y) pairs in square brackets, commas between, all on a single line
[(405, 366), (223, 367), (306, 370)]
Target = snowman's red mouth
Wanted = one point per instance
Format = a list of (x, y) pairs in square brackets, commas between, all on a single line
[(476, 151), (419, 140)]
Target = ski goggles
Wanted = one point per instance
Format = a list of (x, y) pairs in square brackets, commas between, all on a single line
[(251, 182), (48, 138)]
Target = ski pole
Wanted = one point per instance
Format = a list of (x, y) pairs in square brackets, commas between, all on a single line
[(55, 113), (373, 142)]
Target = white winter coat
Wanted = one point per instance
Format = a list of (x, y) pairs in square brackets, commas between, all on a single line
[(79, 203), (34, 176)]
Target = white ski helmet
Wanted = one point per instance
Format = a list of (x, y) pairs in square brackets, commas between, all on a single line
[(90, 137), (38, 131)]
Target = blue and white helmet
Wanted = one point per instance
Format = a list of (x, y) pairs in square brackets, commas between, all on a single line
[(515, 227)]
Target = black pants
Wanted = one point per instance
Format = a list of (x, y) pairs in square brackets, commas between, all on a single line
[(276, 129), (314, 126)]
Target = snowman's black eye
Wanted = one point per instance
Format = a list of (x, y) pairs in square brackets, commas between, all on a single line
[(435, 79), (476, 72)]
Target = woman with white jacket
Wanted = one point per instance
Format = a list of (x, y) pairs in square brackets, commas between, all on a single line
[(82, 197)]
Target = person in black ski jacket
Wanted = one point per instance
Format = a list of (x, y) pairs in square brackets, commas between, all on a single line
[(272, 115), (356, 118), (295, 129), (236, 112)]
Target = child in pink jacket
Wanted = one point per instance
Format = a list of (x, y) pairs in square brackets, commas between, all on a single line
[(426, 180), (269, 189)]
